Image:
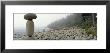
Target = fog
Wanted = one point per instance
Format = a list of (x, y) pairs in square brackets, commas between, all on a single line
[(41, 22), (68, 21)]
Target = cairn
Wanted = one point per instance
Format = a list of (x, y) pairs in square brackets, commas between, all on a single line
[(30, 24)]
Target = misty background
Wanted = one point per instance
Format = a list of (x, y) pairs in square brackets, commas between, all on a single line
[(57, 21), (40, 23)]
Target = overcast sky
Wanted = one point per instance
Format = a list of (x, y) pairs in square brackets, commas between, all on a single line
[(42, 20)]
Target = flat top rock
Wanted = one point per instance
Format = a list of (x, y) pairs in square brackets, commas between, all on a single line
[(30, 16)]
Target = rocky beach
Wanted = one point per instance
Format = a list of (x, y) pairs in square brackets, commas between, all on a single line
[(62, 34), (74, 26)]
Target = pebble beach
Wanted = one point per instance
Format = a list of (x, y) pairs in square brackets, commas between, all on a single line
[(62, 34)]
